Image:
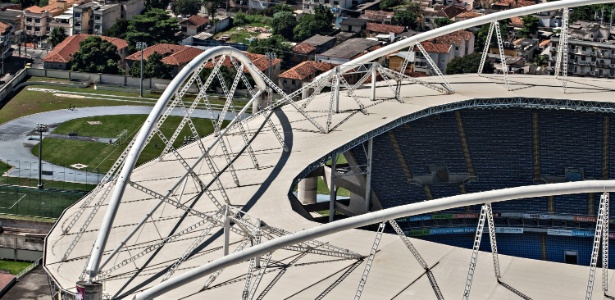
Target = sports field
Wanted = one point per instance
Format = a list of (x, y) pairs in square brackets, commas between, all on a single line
[(16, 200)]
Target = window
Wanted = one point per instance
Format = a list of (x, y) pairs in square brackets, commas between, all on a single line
[(293, 81), (28, 27), (97, 18), (284, 81), (77, 15), (456, 48), (336, 2), (37, 20), (29, 19)]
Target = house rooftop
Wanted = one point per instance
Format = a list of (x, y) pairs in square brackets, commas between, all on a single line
[(435, 48), (4, 27), (353, 22), (63, 52), (304, 48), (306, 69), (195, 20), (454, 38), (319, 40), (453, 11), (377, 15), (383, 28), (350, 48)]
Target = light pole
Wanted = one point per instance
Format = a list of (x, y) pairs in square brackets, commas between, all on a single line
[(40, 128), (141, 46)]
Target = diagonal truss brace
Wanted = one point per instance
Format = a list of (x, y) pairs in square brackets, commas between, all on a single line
[(492, 240), (435, 67), (498, 34), (598, 236), (250, 287), (315, 246), (486, 49), (370, 260), (392, 73), (475, 247), (419, 258)]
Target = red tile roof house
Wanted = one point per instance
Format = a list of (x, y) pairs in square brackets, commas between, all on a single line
[(374, 29), (59, 58), (176, 56), (443, 49), (259, 61), (193, 25), (294, 78)]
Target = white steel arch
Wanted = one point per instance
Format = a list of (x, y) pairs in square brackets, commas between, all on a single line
[(593, 186), (263, 84), (147, 129)]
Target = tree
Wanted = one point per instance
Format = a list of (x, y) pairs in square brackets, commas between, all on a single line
[(283, 24), (482, 34), (468, 64), (409, 16), (530, 25), (153, 27), (162, 4), (309, 25), (153, 68), (591, 12), (274, 43), (282, 7), (56, 36), (442, 22), (119, 29), (96, 55), (387, 4), (186, 7)]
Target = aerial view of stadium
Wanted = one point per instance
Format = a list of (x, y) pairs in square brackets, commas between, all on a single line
[(401, 165)]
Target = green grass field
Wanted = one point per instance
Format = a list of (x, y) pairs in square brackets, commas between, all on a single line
[(13, 266), (99, 157), (4, 167), (15, 200)]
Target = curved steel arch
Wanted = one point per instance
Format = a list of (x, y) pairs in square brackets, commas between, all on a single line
[(527, 10), (593, 186), (141, 139)]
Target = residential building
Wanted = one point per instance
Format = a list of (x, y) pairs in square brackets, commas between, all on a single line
[(193, 25), (302, 52), (61, 55), (5, 41), (13, 17), (347, 51), (353, 25), (64, 21), (378, 16), (309, 6), (467, 4), (376, 30), (37, 18), (83, 17), (396, 61), (176, 56), (591, 50), (526, 48), (322, 43), (303, 73), (105, 17), (443, 49)]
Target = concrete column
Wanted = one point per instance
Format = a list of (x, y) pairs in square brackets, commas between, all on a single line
[(333, 195), (89, 291), (368, 175), (336, 90), (374, 75), (308, 188)]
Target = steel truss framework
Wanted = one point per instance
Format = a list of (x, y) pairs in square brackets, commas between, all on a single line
[(248, 228)]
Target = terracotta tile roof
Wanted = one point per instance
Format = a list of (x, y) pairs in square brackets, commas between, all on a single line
[(434, 48), (35, 9), (468, 15), (383, 28), (544, 43), (259, 60), (515, 3), (63, 52), (195, 20), (304, 48), (516, 22), (377, 15), (452, 11), (4, 27), (306, 69), (182, 57), (454, 38), (160, 48)]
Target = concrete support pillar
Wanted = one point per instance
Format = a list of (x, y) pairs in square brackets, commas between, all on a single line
[(336, 90), (308, 188), (305, 93), (368, 175), (89, 291), (374, 76)]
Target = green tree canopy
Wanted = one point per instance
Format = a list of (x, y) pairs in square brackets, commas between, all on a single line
[(442, 22), (119, 29), (283, 24), (309, 25), (153, 68), (468, 64), (153, 27), (410, 16), (481, 36), (186, 7), (274, 43), (96, 55), (530, 25), (387, 4), (56, 36), (589, 13)]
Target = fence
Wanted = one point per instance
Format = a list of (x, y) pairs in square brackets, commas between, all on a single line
[(25, 174), (29, 268)]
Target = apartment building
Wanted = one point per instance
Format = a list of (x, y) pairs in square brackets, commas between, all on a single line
[(105, 16), (64, 21), (591, 50), (38, 19)]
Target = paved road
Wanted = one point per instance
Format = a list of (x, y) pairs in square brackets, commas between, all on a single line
[(17, 137)]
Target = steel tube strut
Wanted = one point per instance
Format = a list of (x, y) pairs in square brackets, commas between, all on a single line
[(554, 189)]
